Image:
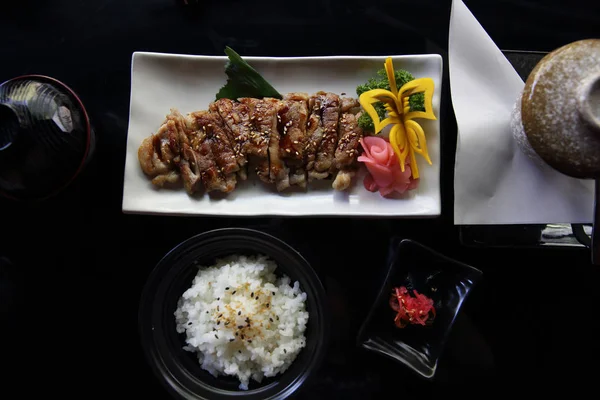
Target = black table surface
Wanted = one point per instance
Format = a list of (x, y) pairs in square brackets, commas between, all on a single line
[(77, 264)]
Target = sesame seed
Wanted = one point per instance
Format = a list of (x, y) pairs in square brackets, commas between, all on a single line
[(271, 319), (252, 294), (240, 327), (249, 341), (234, 292), (218, 322), (273, 293), (231, 340), (216, 336), (239, 313), (285, 351)]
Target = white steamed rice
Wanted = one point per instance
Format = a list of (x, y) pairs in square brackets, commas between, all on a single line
[(242, 320)]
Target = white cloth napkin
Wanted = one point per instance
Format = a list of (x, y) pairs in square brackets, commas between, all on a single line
[(494, 182)]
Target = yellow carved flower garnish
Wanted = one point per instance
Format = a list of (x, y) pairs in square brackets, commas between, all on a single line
[(406, 136)]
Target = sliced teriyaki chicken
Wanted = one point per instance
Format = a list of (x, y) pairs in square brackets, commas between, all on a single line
[(236, 122), (349, 105), (314, 131), (258, 141), (198, 165), (322, 132), (263, 120), (294, 141), (209, 155), (348, 150), (159, 154), (292, 129)]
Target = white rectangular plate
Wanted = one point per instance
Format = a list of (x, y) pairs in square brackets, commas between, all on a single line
[(160, 82)]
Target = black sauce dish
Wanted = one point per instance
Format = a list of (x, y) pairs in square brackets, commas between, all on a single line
[(444, 280), (179, 370)]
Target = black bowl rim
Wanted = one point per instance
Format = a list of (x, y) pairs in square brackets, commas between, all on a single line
[(152, 357), (476, 276), (88, 132)]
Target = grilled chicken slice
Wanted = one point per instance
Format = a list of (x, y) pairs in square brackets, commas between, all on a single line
[(190, 157), (236, 123), (295, 140), (292, 129), (314, 131), (159, 154), (209, 155), (331, 114), (322, 132), (221, 146), (264, 140), (190, 165), (347, 151), (278, 171), (258, 141), (349, 105)]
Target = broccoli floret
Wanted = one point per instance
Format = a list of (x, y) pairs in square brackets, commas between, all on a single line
[(373, 83), (416, 101), (365, 121)]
